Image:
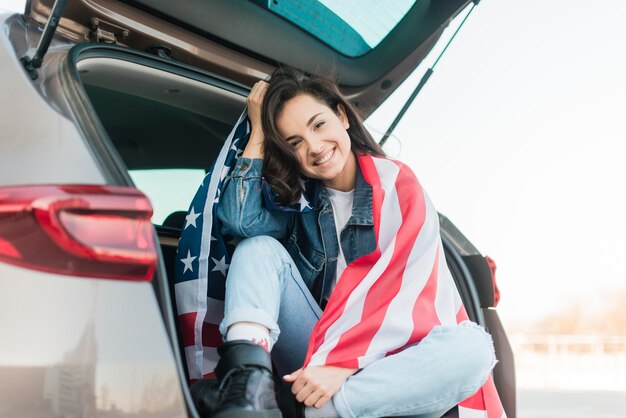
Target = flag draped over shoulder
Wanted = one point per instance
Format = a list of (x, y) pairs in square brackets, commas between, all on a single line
[(383, 301), (391, 298)]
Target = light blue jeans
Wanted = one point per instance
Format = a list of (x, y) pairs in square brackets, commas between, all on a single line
[(425, 380)]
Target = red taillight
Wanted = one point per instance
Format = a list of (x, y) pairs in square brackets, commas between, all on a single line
[(496, 291), (94, 231)]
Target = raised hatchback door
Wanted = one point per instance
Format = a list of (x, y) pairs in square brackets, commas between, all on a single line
[(245, 39)]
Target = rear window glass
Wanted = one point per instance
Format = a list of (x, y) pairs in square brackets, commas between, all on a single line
[(352, 27), (169, 190)]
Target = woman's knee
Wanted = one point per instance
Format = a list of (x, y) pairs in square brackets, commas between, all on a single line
[(260, 259), (254, 248), (478, 351)]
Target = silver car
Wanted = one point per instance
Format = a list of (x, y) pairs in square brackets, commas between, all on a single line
[(112, 112)]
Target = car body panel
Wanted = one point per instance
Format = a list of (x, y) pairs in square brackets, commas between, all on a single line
[(504, 371), (83, 347), (34, 133)]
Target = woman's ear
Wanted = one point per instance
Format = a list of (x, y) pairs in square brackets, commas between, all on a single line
[(343, 117)]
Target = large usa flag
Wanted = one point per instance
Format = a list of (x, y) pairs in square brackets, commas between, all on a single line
[(203, 256), (383, 302), (202, 262)]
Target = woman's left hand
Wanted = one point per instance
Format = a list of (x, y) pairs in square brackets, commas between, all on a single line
[(315, 385)]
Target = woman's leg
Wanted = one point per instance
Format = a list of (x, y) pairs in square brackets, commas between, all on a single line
[(450, 364), (264, 287)]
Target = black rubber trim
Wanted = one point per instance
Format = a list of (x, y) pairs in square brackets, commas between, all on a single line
[(92, 50), (482, 279), (465, 283)]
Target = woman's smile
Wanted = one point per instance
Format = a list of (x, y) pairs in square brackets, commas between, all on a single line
[(325, 157)]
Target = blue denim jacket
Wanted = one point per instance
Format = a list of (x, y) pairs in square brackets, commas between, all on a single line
[(310, 238)]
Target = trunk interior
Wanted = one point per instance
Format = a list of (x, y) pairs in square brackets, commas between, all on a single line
[(165, 118)]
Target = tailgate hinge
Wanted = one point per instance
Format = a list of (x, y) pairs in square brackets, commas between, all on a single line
[(106, 32)]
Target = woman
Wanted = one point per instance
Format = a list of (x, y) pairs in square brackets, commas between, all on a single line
[(292, 264)]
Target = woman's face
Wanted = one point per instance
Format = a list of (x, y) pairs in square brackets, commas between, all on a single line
[(320, 140)]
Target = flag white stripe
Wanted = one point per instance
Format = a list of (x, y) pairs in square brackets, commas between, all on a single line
[(190, 357), (395, 330), (186, 295), (205, 246), (211, 358), (471, 413), (390, 211)]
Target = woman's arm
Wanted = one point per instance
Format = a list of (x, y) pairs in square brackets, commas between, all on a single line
[(241, 208), (254, 149)]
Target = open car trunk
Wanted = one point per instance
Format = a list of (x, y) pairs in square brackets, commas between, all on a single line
[(162, 117)]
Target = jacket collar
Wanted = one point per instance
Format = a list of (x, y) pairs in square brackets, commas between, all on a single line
[(362, 206)]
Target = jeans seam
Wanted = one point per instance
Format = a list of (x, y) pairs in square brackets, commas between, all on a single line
[(464, 393), (345, 403), (286, 264)]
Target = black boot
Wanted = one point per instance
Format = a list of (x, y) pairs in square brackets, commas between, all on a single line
[(205, 396), (246, 383)]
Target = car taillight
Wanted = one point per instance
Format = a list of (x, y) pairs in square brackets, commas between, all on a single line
[(79, 230), (492, 269)]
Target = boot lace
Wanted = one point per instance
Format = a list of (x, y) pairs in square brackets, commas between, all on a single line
[(233, 386)]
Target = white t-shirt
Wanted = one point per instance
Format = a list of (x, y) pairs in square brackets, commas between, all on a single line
[(342, 210)]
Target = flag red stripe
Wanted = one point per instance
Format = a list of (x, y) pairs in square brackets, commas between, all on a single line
[(211, 336), (357, 270), (476, 401), (355, 342), (187, 328), (492, 399), (461, 315)]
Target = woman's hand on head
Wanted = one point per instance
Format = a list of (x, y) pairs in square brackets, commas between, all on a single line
[(254, 149), (315, 385)]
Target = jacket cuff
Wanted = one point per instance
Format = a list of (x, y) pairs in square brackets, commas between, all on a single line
[(248, 167)]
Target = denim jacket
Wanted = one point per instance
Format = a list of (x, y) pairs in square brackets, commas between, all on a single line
[(310, 238)]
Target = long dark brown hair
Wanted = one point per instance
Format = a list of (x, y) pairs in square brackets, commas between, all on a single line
[(281, 167)]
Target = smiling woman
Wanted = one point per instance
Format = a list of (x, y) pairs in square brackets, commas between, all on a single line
[(354, 281)]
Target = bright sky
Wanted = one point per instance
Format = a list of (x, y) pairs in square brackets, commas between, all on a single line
[(518, 139)]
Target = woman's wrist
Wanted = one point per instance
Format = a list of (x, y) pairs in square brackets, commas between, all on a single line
[(254, 148)]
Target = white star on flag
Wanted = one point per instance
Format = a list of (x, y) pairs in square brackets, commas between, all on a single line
[(187, 262), (220, 265), (191, 218), (304, 203)]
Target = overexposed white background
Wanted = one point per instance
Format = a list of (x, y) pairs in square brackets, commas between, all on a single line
[(519, 137)]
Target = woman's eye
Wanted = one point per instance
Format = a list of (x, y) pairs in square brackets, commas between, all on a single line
[(319, 124), (295, 142)]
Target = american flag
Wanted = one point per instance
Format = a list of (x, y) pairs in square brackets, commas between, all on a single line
[(383, 301)]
